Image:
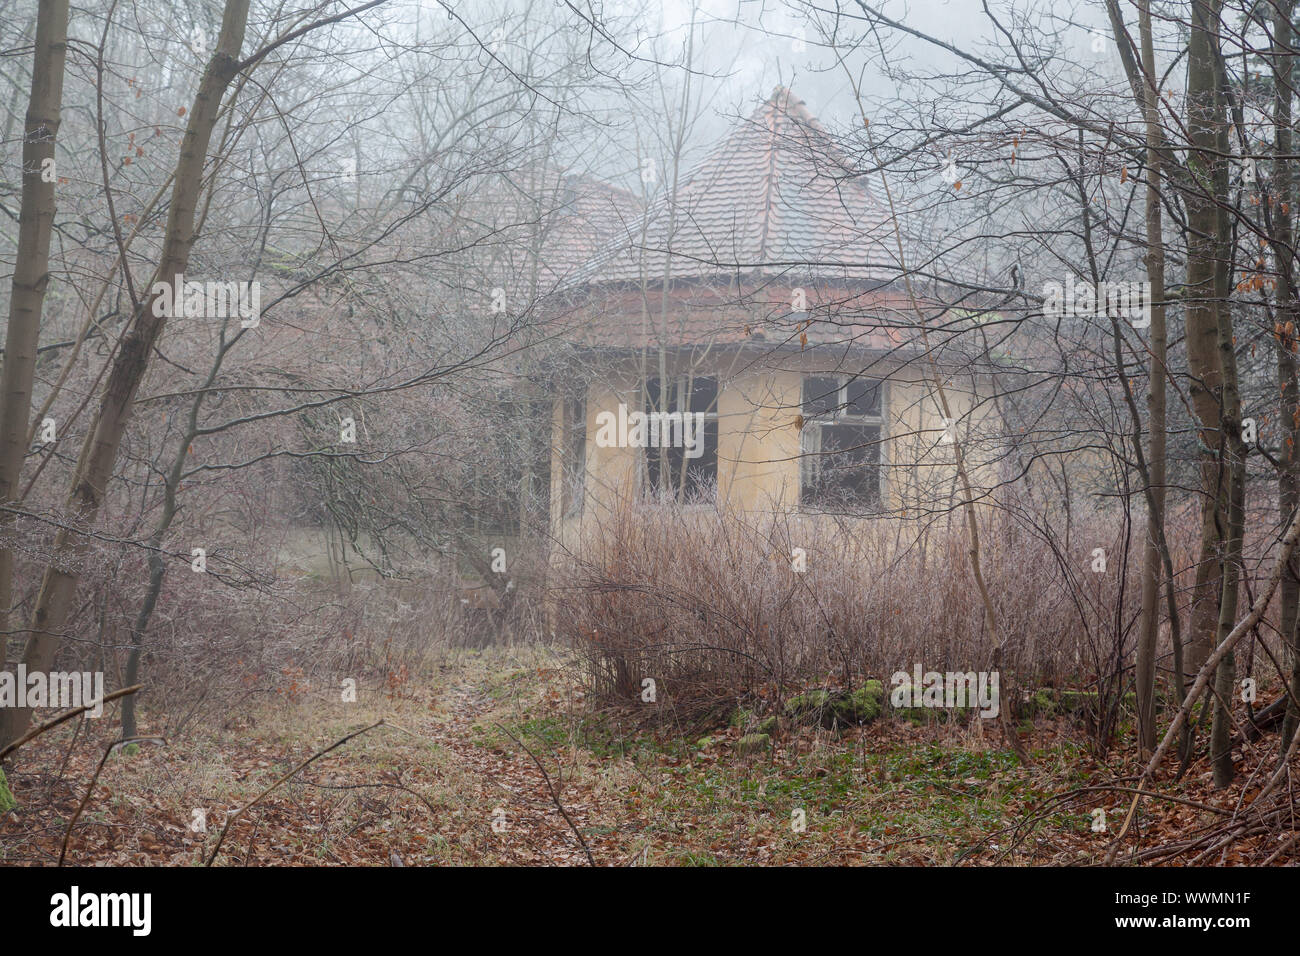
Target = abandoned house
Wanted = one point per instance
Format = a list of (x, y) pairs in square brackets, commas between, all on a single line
[(748, 343)]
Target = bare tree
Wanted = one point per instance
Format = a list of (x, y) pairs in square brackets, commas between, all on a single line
[(31, 271)]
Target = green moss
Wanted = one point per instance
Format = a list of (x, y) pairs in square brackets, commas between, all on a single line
[(1088, 702), (1041, 703), (860, 706), (769, 726), (812, 702), (935, 714), (753, 744), (7, 801), (919, 715), (1077, 701)]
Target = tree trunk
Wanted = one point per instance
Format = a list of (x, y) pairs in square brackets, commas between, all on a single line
[(95, 467), (1288, 487), (1234, 468), (1204, 119), (31, 268), (1225, 676), (1152, 556)]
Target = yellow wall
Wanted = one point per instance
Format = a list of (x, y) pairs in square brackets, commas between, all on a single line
[(759, 441)]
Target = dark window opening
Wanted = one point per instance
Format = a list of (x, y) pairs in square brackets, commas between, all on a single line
[(671, 472), (574, 457), (841, 442)]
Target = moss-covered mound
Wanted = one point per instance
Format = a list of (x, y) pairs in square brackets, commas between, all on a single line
[(841, 708)]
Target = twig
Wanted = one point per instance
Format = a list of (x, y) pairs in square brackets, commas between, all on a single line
[(1289, 541), (63, 767), (1282, 849), (555, 797), (67, 834), (316, 756), (68, 715)]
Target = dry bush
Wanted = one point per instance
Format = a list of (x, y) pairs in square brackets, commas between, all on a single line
[(242, 633), (709, 607)]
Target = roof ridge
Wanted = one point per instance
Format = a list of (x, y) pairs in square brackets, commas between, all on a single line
[(769, 178)]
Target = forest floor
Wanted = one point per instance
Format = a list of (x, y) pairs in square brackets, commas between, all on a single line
[(494, 759)]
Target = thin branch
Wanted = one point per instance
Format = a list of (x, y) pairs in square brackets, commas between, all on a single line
[(316, 756)]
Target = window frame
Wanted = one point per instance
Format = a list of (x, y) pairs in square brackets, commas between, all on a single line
[(679, 385), (811, 457)]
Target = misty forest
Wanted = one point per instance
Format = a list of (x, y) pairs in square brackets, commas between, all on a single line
[(688, 433)]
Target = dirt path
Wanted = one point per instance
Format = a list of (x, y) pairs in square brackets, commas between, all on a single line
[(518, 807)]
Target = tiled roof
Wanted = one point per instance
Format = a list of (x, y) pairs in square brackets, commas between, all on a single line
[(776, 197), (588, 216), (772, 242), (530, 230)]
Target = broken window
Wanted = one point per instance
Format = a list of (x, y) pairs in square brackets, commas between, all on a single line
[(687, 469), (843, 425)]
